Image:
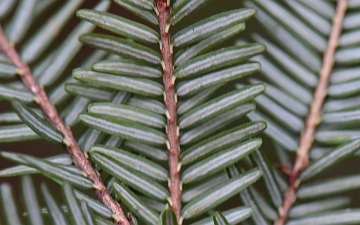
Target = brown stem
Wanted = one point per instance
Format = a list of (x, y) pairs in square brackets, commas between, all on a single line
[(80, 160), (172, 131), (302, 159)]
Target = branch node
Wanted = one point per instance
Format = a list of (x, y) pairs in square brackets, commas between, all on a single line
[(66, 142), (36, 99), (20, 72), (173, 80), (167, 28), (163, 64), (178, 131), (178, 168), (96, 187), (167, 115), (170, 201), (181, 220), (156, 11), (281, 211), (168, 145), (82, 173), (115, 217), (171, 48)]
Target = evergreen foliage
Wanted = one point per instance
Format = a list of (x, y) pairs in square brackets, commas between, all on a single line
[(169, 121)]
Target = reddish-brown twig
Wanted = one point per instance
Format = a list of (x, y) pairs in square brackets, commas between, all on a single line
[(306, 140), (172, 131), (53, 117)]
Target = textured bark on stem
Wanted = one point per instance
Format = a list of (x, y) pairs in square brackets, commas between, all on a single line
[(170, 103), (53, 117), (306, 140)]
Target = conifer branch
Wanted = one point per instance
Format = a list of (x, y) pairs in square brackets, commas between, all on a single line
[(80, 160), (306, 140), (170, 99)]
